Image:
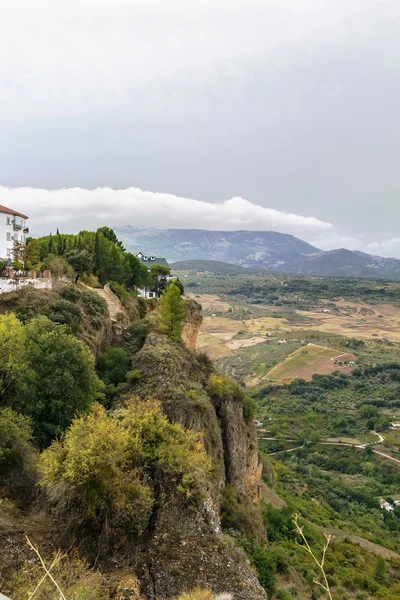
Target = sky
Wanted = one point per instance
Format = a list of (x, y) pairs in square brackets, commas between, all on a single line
[(221, 114)]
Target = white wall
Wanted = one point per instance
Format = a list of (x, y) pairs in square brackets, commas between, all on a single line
[(5, 244), (13, 285)]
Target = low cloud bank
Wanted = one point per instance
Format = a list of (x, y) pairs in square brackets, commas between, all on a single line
[(74, 209)]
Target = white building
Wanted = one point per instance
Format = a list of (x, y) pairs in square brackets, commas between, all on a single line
[(13, 229), (149, 261)]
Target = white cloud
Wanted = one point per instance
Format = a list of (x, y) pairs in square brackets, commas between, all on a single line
[(74, 209)]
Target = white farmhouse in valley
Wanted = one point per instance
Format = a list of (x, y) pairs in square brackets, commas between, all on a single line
[(13, 229)]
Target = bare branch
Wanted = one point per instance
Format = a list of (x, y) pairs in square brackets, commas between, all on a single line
[(47, 571), (321, 563)]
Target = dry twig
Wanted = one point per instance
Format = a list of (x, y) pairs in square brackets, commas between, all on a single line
[(46, 570), (320, 563)]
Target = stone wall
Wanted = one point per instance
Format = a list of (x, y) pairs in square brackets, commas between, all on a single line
[(15, 285)]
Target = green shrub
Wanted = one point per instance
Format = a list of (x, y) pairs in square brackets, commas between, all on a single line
[(134, 376), (114, 364), (66, 313), (279, 523), (91, 281), (70, 293), (261, 558), (17, 452), (119, 290), (95, 307), (142, 307), (221, 388), (136, 335), (98, 478)]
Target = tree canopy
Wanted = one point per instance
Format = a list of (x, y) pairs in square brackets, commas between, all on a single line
[(46, 374)]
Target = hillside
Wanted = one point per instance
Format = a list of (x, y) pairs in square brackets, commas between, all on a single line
[(211, 266), (260, 250), (140, 489)]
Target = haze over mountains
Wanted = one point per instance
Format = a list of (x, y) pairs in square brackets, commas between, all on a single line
[(262, 250)]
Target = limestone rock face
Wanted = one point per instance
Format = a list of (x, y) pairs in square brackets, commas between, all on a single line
[(186, 551), (192, 323), (184, 544)]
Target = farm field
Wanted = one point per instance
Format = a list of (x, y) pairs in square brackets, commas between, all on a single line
[(264, 342), (310, 359)]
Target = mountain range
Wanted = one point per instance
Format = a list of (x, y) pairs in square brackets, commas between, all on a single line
[(261, 250)]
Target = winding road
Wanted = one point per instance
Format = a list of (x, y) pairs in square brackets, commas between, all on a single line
[(380, 440)]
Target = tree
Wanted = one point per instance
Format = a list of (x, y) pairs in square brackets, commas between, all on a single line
[(19, 254), (111, 235), (59, 266), (178, 283), (80, 261), (13, 360), (33, 252), (159, 278), (139, 274), (59, 379), (172, 312)]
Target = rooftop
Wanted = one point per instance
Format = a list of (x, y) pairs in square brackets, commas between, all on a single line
[(152, 260), (9, 211)]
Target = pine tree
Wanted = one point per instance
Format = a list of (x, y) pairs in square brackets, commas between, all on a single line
[(172, 311)]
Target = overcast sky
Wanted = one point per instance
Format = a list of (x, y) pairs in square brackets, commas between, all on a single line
[(231, 114)]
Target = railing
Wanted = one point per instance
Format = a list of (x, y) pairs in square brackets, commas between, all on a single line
[(17, 224)]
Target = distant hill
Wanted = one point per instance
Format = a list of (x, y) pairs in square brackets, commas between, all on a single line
[(212, 266), (259, 250)]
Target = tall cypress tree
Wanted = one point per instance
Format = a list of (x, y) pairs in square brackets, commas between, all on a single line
[(171, 311)]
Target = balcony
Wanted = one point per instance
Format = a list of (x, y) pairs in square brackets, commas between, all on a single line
[(17, 224), (26, 230)]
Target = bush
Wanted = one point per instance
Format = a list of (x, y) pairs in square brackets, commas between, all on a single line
[(98, 478), (279, 523), (221, 388), (17, 452), (262, 559), (119, 290), (72, 574), (70, 293), (114, 364), (137, 334), (66, 313), (142, 307), (95, 307), (91, 281)]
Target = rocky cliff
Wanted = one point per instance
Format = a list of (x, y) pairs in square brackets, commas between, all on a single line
[(184, 541), (192, 323)]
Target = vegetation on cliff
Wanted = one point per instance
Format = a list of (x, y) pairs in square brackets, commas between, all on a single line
[(131, 447)]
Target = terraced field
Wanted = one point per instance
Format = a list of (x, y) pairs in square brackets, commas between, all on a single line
[(310, 359)]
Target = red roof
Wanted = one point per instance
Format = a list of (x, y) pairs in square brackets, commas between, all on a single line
[(9, 211)]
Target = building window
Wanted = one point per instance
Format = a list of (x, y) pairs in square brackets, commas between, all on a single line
[(8, 237), (15, 237), (8, 221), (8, 251), (151, 294)]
